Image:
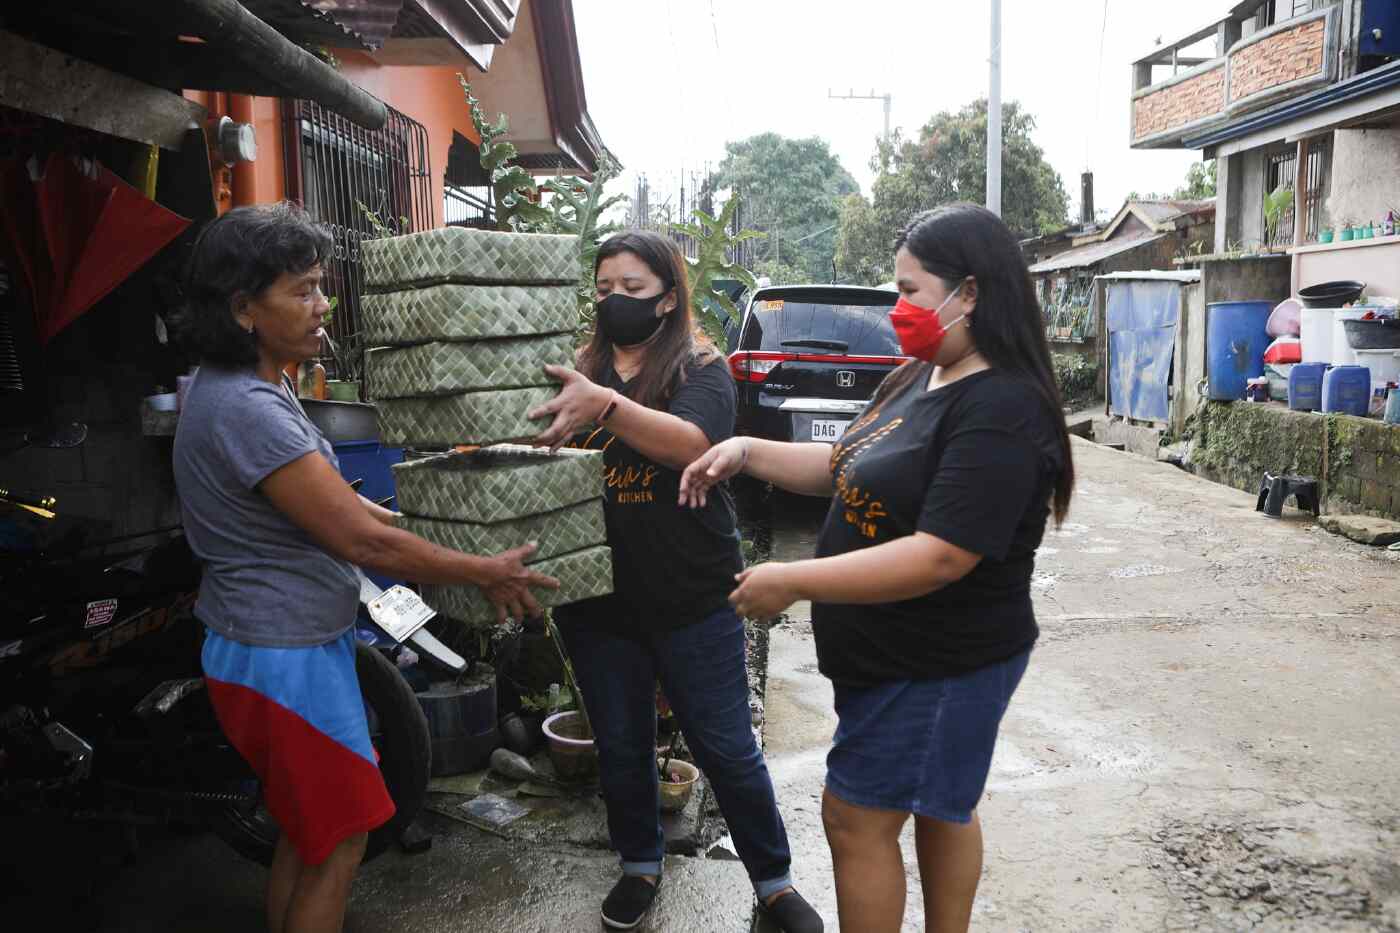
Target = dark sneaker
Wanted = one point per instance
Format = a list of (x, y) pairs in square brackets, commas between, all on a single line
[(629, 902), (791, 914)]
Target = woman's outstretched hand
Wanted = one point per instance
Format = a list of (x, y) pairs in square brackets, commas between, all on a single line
[(719, 463), (509, 581), (578, 403), (764, 591)]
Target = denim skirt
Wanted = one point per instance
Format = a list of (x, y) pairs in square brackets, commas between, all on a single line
[(921, 746)]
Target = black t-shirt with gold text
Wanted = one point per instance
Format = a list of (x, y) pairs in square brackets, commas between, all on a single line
[(973, 463), (672, 565)]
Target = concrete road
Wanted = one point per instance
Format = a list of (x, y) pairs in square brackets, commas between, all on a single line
[(1206, 737)]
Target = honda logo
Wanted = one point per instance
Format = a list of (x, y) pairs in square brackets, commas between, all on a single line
[(845, 378)]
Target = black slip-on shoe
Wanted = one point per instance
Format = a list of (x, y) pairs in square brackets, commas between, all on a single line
[(629, 901), (791, 914)]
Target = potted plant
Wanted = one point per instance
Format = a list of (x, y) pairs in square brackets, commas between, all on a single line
[(349, 356), (1324, 235), (1347, 232), (1276, 203), (569, 733), (677, 778)]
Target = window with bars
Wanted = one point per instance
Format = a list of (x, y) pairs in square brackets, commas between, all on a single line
[(342, 173), (1318, 173), (1280, 168)]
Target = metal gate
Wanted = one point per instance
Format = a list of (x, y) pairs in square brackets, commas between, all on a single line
[(343, 173), (1141, 318)]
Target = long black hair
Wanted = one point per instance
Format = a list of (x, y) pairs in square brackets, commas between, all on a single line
[(675, 346), (956, 241)]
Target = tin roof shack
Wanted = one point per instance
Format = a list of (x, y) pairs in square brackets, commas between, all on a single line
[(1144, 234)]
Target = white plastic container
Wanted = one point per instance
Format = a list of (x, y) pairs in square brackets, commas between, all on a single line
[(1384, 365), (1317, 335), (1342, 353)]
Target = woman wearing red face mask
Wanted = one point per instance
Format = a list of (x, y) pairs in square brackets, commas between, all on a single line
[(920, 588)]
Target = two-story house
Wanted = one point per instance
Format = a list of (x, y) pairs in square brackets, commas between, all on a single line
[(1300, 95)]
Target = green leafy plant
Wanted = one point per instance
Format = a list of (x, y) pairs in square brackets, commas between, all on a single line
[(514, 194), (715, 247), (576, 207), (577, 695), (349, 356), (1276, 204)]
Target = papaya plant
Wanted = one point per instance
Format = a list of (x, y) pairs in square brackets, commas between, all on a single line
[(514, 194), (716, 246)]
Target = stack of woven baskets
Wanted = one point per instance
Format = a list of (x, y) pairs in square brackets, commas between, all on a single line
[(466, 321)]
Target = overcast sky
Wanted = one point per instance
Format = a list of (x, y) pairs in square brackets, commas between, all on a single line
[(670, 81)]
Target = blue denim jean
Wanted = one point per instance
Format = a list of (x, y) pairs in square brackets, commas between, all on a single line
[(704, 676)]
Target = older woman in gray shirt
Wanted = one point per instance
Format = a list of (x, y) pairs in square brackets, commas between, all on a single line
[(279, 533)]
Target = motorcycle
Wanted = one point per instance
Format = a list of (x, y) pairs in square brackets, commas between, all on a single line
[(104, 717)]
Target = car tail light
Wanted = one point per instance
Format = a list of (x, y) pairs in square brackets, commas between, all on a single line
[(755, 365), (751, 366)]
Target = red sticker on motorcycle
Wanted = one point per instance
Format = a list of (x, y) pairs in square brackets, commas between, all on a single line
[(100, 613)]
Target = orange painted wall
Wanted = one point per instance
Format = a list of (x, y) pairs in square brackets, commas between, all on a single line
[(428, 94)]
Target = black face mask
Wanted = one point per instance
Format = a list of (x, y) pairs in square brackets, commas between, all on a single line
[(628, 321)]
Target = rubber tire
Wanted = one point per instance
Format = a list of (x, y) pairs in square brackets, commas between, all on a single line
[(405, 759)]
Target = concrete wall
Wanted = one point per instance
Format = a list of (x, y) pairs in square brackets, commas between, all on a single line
[(1365, 174), (1375, 262), (1356, 460), (1250, 211)]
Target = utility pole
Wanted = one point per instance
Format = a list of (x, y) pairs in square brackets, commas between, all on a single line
[(852, 95), (994, 116)]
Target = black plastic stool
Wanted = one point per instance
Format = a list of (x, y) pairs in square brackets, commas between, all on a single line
[(1275, 490)]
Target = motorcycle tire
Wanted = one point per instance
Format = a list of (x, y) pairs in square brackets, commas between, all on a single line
[(399, 731)]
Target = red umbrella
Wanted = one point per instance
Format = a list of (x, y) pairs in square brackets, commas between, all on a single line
[(97, 231)]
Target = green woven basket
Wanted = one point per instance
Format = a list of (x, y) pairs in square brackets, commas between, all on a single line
[(469, 418), (449, 368), (467, 312), (562, 531), (581, 575), (498, 483), (462, 254)]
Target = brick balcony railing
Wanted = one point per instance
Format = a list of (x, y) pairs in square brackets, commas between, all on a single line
[(1281, 61)]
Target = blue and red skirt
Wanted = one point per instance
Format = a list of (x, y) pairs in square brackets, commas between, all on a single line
[(297, 717)]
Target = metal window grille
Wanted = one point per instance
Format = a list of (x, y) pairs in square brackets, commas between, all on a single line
[(339, 172), (1281, 168), (1319, 174), (467, 206)]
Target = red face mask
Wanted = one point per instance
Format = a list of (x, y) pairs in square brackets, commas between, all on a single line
[(919, 329)]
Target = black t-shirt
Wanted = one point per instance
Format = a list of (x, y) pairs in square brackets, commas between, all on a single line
[(973, 463), (672, 565)]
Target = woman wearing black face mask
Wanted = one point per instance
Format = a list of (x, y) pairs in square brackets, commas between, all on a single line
[(653, 395)]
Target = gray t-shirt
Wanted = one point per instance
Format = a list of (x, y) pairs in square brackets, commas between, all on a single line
[(266, 582)]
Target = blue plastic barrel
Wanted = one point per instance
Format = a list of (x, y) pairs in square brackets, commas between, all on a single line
[(1305, 386), (1347, 390), (1235, 345)]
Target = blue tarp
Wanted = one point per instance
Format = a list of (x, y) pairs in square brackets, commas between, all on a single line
[(1141, 319)]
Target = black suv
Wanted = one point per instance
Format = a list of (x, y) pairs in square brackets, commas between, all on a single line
[(809, 357)]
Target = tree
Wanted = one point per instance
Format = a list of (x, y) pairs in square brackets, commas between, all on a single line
[(792, 190), (1200, 182), (947, 163)]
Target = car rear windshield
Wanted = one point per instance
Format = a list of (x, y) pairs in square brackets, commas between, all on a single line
[(785, 325)]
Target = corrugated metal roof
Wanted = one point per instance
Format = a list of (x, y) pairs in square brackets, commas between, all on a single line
[(365, 22), (1155, 275), (1164, 210), (1091, 254)]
